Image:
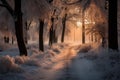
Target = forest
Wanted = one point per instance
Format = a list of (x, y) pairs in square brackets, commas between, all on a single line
[(59, 40)]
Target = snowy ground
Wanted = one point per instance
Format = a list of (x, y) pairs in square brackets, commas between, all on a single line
[(61, 62)]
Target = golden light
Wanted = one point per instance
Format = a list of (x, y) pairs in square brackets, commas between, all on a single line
[(87, 22), (93, 22), (79, 24)]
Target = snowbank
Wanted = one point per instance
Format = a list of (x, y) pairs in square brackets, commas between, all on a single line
[(7, 64), (97, 64), (108, 62)]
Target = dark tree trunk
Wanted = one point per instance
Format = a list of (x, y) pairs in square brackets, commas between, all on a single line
[(17, 16), (50, 36), (54, 36), (113, 34), (83, 28), (51, 33), (64, 26), (6, 39), (19, 28), (41, 29)]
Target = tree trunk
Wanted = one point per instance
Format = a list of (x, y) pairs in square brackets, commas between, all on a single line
[(64, 26), (41, 30), (51, 33), (83, 28), (50, 36), (112, 31), (54, 36), (19, 28)]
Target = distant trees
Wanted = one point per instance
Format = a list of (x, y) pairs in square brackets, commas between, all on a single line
[(61, 11), (83, 27), (112, 30), (16, 13), (52, 31), (111, 5), (99, 30), (6, 39), (59, 15), (85, 6)]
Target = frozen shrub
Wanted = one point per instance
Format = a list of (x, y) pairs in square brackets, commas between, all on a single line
[(21, 59), (7, 64)]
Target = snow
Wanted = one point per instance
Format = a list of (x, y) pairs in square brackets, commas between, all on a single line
[(7, 64), (62, 61)]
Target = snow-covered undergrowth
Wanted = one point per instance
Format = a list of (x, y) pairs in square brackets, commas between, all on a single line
[(97, 64), (61, 62), (108, 62), (7, 64), (13, 64)]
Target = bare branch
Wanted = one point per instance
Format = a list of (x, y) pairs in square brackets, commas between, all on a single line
[(7, 6), (30, 23)]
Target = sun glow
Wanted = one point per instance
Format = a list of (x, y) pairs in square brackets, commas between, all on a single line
[(87, 22), (79, 24)]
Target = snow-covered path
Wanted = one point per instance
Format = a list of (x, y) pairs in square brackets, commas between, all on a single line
[(65, 66), (52, 69), (79, 68)]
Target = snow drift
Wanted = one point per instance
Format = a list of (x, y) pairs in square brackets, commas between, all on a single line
[(7, 64)]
